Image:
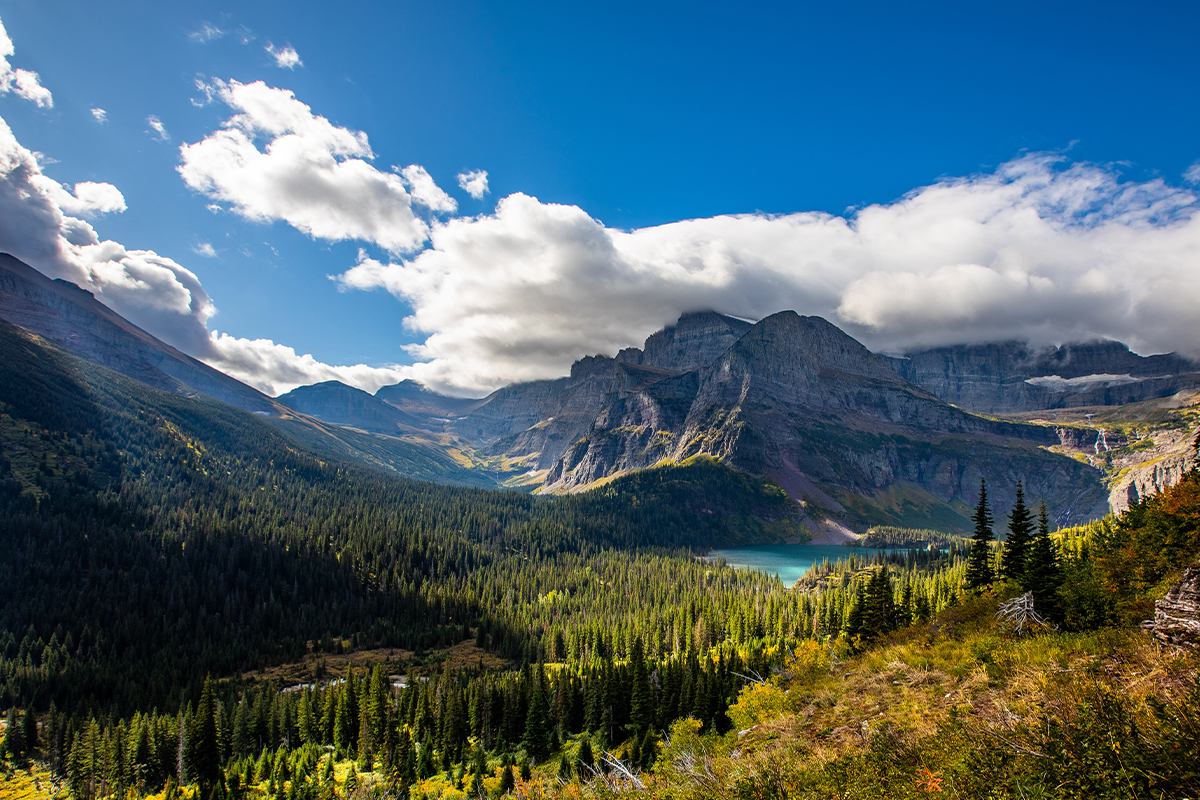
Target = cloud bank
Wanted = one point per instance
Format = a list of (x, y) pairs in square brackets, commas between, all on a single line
[(1038, 250)]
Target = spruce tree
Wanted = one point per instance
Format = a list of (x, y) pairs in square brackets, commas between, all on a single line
[(1020, 537), (14, 743), (979, 560), (203, 754), (536, 740), (641, 696), (1043, 575), (585, 761)]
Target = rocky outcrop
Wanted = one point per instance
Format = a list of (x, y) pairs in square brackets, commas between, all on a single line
[(798, 399), (564, 413), (696, 340), (1177, 615), (333, 401), (74, 319), (1014, 377), (1151, 470)]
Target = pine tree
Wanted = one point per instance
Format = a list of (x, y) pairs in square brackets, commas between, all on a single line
[(508, 780), (1043, 574), (641, 697), (879, 607), (203, 758), (979, 560), (536, 740), (1020, 536), (585, 761), (14, 743)]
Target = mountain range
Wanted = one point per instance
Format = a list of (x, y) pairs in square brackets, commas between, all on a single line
[(854, 438)]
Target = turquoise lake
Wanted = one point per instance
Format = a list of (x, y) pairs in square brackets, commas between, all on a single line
[(788, 561)]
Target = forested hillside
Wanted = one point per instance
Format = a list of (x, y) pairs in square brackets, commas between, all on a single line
[(171, 567)]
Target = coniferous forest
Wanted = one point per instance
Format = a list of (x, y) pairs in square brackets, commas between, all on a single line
[(167, 562)]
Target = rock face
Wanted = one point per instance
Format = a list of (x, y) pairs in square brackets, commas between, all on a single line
[(696, 340), (1012, 376), (74, 319), (333, 401), (1173, 453), (798, 399), (1177, 615)]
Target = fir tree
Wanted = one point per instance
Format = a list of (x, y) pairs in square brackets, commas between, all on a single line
[(536, 740), (203, 758), (1020, 537), (979, 560), (641, 697), (585, 761), (508, 781), (1043, 575), (14, 743)]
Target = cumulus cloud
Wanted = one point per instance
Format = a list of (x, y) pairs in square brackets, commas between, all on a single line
[(160, 130), (474, 183), (21, 82), (1037, 250), (424, 191), (275, 368), (205, 249), (38, 224), (310, 173), (285, 57), (100, 115)]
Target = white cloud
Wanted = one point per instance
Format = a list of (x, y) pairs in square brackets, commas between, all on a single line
[(22, 82), (1035, 250), (424, 191), (474, 183), (153, 291), (310, 173), (100, 115), (205, 249), (87, 199), (1192, 174), (275, 368), (207, 32), (285, 57), (160, 130)]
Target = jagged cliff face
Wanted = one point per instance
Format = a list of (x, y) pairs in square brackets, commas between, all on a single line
[(1013, 377), (696, 340), (798, 399)]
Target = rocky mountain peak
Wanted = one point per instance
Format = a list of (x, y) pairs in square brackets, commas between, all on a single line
[(696, 340)]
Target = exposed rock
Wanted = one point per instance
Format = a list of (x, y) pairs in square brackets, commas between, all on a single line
[(1177, 615), (1152, 470), (333, 401), (696, 340), (798, 399), (1012, 376), (74, 319)]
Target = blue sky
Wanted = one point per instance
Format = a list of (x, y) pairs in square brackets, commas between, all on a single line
[(628, 117)]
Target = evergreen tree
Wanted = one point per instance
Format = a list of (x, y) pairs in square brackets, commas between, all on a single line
[(856, 619), (879, 607), (536, 740), (14, 743), (641, 694), (585, 761), (203, 757), (649, 750), (1043, 574), (979, 560), (1020, 537), (508, 781)]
